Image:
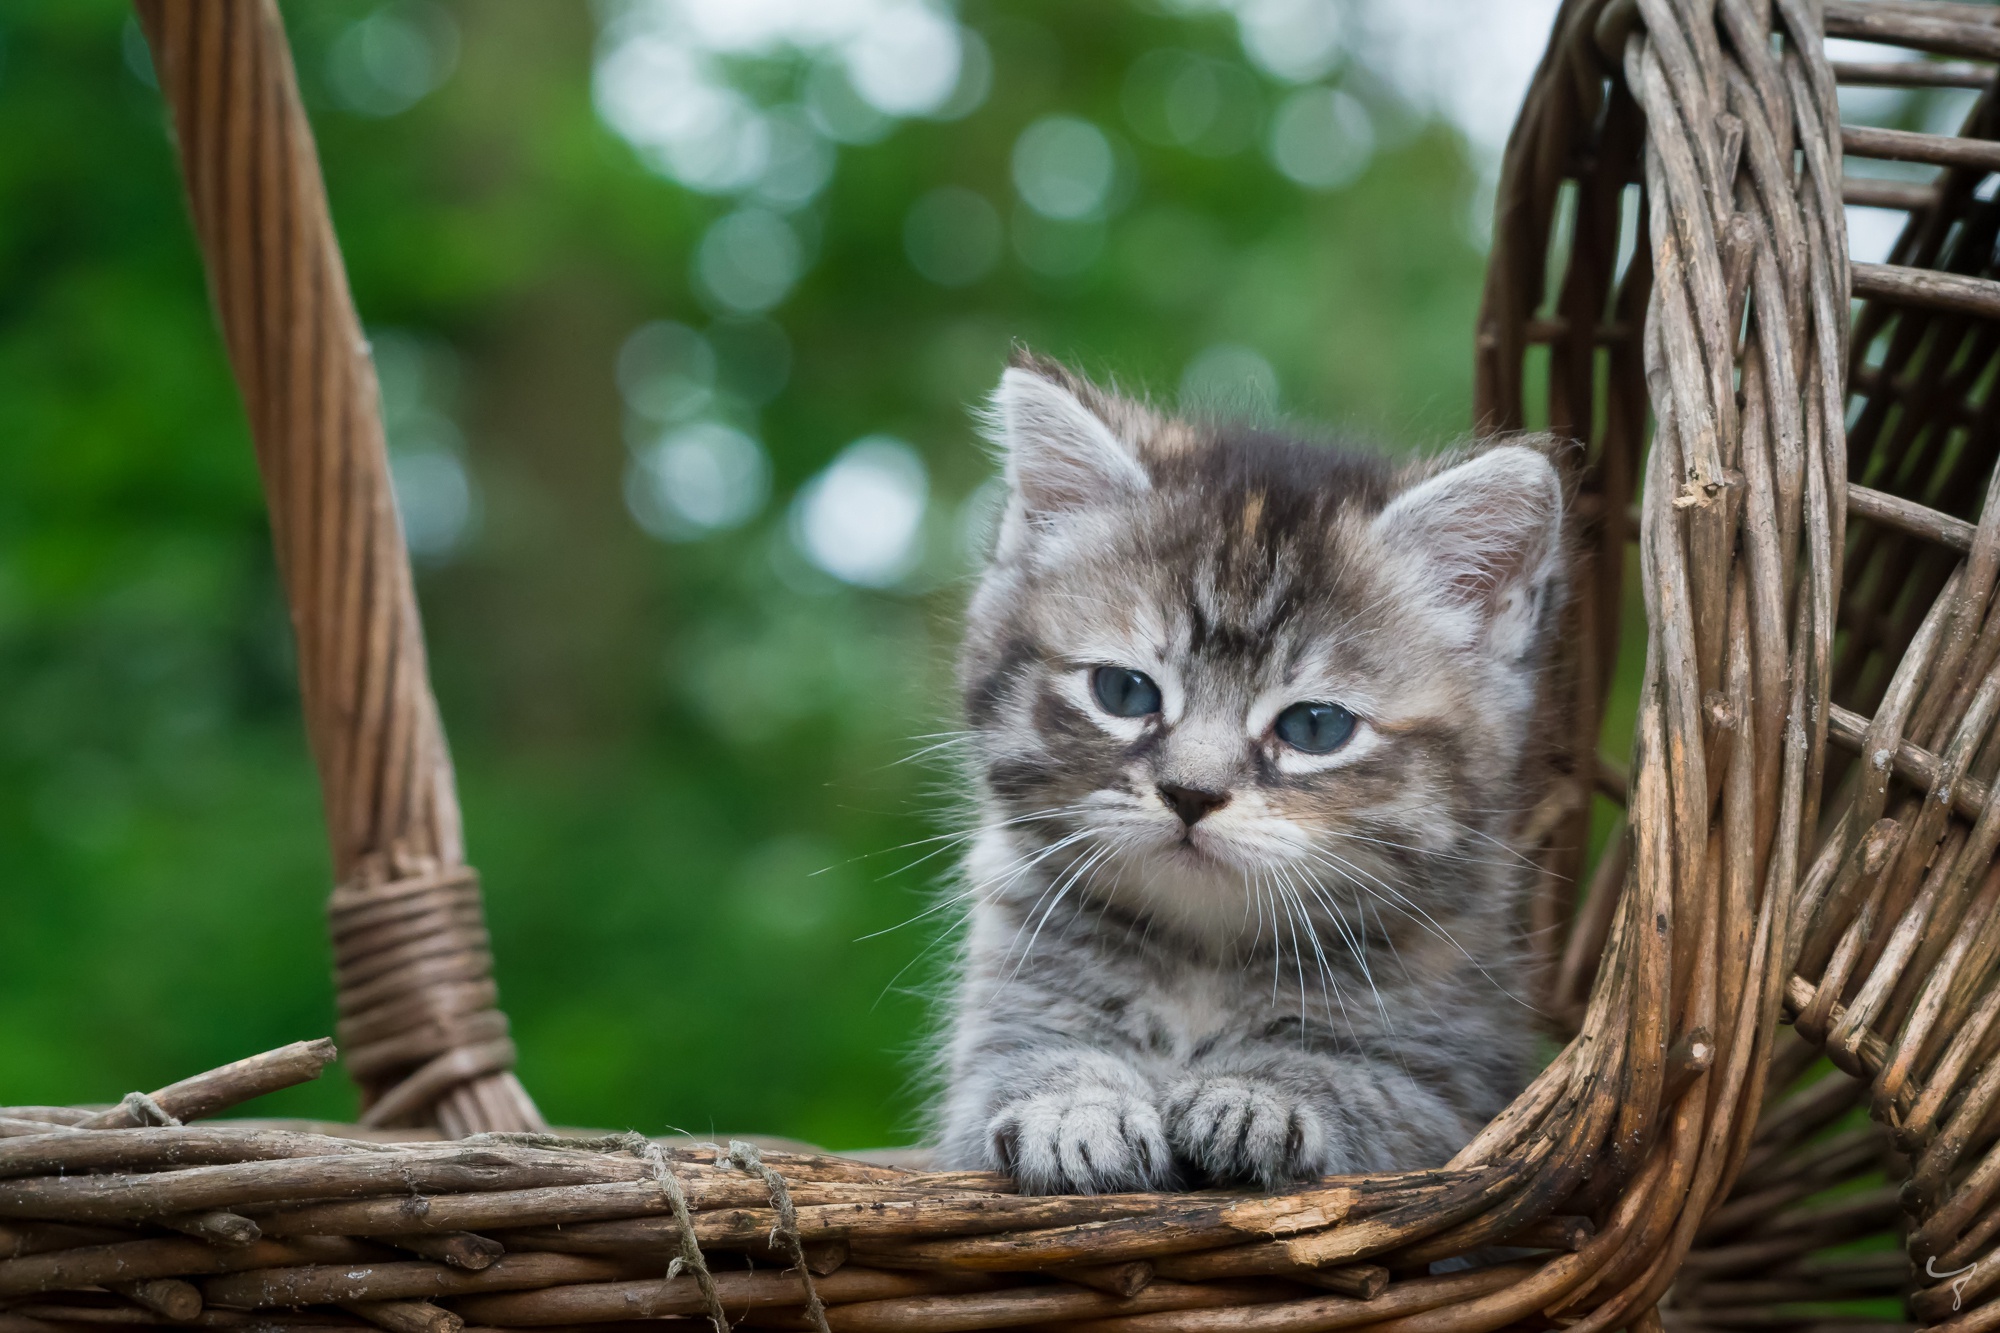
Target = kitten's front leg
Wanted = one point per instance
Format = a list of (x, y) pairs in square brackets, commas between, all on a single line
[(1278, 1117), (1064, 1121), (1243, 1127)]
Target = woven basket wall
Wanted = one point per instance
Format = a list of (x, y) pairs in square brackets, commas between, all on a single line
[(1817, 556), (1777, 1104)]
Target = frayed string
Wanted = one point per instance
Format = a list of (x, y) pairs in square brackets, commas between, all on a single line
[(746, 1156), (690, 1259), (147, 1111)]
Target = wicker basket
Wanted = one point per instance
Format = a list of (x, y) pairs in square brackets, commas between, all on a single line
[(1817, 565)]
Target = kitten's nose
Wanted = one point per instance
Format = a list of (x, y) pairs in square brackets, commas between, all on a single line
[(1191, 803)]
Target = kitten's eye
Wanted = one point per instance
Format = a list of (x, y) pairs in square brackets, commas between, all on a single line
[(1124, 692), (1316, 728)]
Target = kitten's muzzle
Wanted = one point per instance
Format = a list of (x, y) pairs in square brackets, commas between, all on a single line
[(1191, 803)]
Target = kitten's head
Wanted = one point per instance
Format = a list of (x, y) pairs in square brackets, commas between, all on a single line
[(1210, 666)]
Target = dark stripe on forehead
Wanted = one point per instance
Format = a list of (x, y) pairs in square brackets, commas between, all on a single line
[(1238, 643), (1241, 459)]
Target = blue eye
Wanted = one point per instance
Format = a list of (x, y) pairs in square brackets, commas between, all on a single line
[(1316, 728), (1123, 692)]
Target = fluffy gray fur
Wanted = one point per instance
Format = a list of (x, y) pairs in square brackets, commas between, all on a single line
[(1320, 974)]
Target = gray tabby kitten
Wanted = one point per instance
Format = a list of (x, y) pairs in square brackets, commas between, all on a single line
[(1248, 720)]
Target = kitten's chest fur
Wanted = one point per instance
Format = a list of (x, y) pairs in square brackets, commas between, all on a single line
[(1169, 1001)]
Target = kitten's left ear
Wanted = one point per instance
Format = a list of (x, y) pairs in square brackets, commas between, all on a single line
[(1061, 453), (1483, 541)]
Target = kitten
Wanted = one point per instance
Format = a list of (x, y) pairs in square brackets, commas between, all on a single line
[(1248, 719)]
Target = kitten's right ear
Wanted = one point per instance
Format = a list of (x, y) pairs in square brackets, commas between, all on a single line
[(1060, 454), (1484, 541)]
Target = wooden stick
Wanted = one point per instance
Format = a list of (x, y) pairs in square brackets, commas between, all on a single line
[(1911, 74), (217, 1090), (1322, 1313), (217, 1226), (1921, 31), (406, 1316), (497, 1209), (1913, 764), (1921, 287), (31, 1320), (15, 1322), (54, 1115), (1173, 1227), (1014, 1306), (615, 1217), (1126, 1279), (1469, 1195), (460, 1249), (1874, 192), (825, 1256), (1366, 1281), (13, 1128), (824, 1168), (70, 1152), (1909, 516), (903, 1217), (1271, 1259), (62, 1315), (395, 1280), (604, 1302), (1258, 1259), (822, 1256), (1943, 150), (19, 1238), (132, 1261), (1555, 1233), (167, 1296), (131, 1197)]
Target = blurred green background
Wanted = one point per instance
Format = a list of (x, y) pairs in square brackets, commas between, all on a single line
[(680, 308)]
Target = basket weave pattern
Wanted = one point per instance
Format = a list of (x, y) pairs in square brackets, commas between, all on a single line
[(1814, 808)]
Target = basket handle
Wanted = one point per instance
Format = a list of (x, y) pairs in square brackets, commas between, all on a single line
[(419, 1022)]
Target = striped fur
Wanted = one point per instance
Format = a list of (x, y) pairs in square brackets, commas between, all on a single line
[(1322, 974)]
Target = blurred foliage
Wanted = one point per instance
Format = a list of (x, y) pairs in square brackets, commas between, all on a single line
[(695, 773)]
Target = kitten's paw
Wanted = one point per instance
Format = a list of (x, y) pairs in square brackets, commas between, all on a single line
[(1086, 1140), (1235, 1128)]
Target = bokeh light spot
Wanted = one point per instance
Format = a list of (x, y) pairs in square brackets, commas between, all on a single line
[(798, 160), (1064, 168), (666, 371), (434, 499), (861, 520), (388, 61), (702, 478), (1178, 99), (1322, 138), (1296, 40), (687, 126), (838, 111), (747, 261), (905, 62)]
